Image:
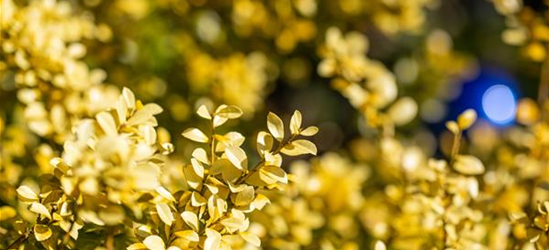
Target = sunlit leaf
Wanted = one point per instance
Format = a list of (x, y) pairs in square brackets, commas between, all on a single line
[(229, 112), (275, 126), (154, 242), (165, 213), (203, 112), (26, 194), (42, 232), (40, 209), (196, 135), (189, 235), (190, 219), (295, 122), (299, 147)]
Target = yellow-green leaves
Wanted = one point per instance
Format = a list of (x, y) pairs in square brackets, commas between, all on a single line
[(299, 147), (25, 194), (469, 165), (42, 232), (275, 126), (196, 135)]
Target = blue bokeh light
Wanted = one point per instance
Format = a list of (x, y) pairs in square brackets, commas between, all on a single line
[(499, 104)]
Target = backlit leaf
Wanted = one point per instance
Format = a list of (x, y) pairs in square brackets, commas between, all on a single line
[(165, 213), (26, 194), (196, 135), (275, 126), (229, 112), (295, 122), (154, 242)]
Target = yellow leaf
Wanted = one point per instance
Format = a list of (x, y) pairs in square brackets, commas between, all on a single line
[(467, 118), (121, 110), (204, 113), (165, 193), (299, 147), (152, 109), (26, 194), (237, 157), (106, 122), (191, 219), (137, 246), (218, 121), (232, 224), (275, 126), (245, 197), (40, 209), (165, 213), (251, 238), (229, 112), (197, 167), (310, 131), (42, 232), (380, 245), (196, 135), (7, 212), (189, 235), (129, 98), (403, 111), (264, 142), (154, 242), (213, 240), (193, 180), (467, 164), (453, 127), (272, 174), (295, 122), (201, 155), (197, 200), (260, 201)]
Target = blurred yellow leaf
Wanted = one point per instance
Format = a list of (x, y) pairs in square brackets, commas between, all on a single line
[(26, 194), (467, 164)]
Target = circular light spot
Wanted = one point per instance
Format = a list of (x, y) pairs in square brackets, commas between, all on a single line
[(499, 105)]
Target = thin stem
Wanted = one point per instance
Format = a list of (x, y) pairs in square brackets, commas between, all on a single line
[(110, 241), (212, 142), (20, 240), (455, 146)]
